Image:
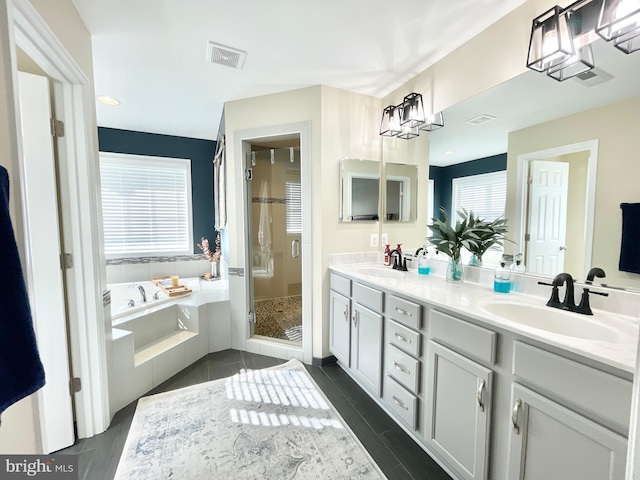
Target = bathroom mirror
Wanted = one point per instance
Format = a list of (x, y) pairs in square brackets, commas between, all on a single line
[(532, 115), (359, 190), (401, 192)]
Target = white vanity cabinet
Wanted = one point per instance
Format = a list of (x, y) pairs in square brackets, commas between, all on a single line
[(340, 327), (459, 393), (366, 347), (571, 427)]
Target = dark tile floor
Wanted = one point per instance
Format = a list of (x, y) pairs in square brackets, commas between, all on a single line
[(398, 456)]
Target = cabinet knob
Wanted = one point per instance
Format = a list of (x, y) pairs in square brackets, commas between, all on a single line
[(514, 415), (346, 313), (480, 394), (354, 317)]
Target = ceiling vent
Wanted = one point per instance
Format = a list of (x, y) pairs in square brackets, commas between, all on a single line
[(480, 119), (593, 77), (227, 56)]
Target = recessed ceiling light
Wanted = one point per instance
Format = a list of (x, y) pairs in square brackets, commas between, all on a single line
[(108, 100), (448, 152)]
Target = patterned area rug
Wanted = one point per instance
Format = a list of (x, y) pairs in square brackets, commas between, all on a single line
[(272, 424)]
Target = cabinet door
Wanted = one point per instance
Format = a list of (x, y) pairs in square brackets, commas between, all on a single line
[(366, 348), (340, 327), (551, 442), (458, 411)]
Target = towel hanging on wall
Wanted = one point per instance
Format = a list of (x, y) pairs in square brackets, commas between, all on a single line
[(21, 371), (220, 187), (630, 243)]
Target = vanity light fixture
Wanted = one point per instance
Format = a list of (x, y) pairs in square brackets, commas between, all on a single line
[(408, 132), (434, 122), (412, 111), (551, 42), (390, 124), (579, 63), (619, 20)]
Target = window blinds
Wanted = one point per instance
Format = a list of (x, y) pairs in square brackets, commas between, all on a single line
[(294, 207), (485, 194), (146, 205)]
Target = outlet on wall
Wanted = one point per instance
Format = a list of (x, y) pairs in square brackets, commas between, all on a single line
[(385, 238), (374, 240)]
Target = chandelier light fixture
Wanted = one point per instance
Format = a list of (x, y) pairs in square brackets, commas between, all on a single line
[(408, 118), (390, 124), (412, 111), (550, 43), (434, 122)]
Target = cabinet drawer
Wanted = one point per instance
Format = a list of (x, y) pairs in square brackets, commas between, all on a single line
[(464, 337), (367, 297), (403, 367), (403, 338), (402, 403), (403, 311), (603, 394), (340, 284)]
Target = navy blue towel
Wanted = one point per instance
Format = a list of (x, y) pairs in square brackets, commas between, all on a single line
[(630, 246), (21, 371)]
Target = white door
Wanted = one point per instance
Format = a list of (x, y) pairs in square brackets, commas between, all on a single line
[(46, 289), (548, 193)]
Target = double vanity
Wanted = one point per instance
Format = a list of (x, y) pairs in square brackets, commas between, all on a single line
[(492, 386)]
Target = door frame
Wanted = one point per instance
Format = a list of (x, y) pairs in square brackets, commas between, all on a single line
[(77, 154), (242, 145), (522, 191)]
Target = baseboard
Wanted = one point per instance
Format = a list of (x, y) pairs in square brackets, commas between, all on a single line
[(321, 362)]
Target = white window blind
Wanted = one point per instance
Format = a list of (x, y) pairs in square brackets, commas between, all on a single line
[(485, 194), (146, 205), (294, 207)]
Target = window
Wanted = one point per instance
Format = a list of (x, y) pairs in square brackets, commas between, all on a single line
[(146, 205), (294, 207), (485, 194)]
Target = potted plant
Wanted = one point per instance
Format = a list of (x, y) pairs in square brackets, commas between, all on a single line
[(450, 240), (488, 234), (213, 256)]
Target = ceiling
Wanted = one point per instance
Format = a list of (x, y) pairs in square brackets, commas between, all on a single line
[(151, 54)]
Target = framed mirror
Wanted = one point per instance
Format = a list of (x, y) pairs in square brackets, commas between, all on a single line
[(359, 190), (587, 123), (401, 192)]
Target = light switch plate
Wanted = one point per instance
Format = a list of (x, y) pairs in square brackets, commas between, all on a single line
[(374, 240)]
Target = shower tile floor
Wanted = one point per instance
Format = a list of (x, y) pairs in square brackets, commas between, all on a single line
[(276, 316)]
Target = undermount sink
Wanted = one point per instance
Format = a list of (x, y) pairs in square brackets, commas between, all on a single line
[(560, 322), (380, 271)]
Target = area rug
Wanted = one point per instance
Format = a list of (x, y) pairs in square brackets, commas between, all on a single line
[(273, 424)]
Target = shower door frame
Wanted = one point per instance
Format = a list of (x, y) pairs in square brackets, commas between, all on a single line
[(243, 141)]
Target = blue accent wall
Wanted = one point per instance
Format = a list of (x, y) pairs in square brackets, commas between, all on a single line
[(443, 177), (199, 151)]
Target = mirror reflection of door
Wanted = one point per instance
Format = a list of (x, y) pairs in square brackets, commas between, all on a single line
[(397, 201), (365, 196), (556, 214)]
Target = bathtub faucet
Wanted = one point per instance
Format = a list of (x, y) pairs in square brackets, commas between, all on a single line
[(143, 294)]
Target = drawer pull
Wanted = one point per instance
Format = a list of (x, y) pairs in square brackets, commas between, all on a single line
[(346, 313), (400, 337), (401, 368), (480, 393), (354, 317), (399, 403), (403, 312), (514, 415)]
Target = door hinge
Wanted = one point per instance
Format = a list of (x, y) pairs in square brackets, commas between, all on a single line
[(75, 385), (529, 180), (248, 174), (527, 237), (66, 261), (57, 128), (252, 317)]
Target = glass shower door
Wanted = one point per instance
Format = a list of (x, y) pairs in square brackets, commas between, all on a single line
[(275, 229)]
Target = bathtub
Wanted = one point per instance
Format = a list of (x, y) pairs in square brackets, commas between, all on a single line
[(122, 293)]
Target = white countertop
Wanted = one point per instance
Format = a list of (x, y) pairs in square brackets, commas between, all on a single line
[(468, 299)]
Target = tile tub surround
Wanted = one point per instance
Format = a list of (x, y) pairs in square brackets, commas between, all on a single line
[(143, 268), (154, 343), (466, 299)]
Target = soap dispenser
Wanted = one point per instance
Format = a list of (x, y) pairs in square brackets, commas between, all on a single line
[(387, 257), (424, 262), (517, 267), (502, 279)]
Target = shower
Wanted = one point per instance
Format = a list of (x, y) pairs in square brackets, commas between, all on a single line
[(275, 230)]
